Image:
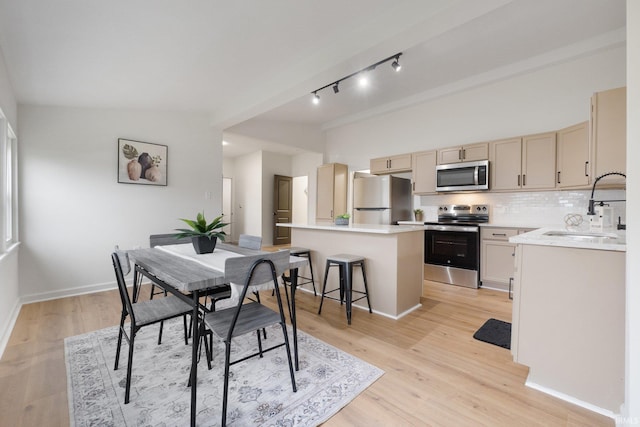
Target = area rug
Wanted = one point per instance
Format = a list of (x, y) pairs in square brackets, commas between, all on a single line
[(495, 332), (260, 391)]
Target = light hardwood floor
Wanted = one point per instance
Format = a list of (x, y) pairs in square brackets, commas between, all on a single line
[(435, 372)]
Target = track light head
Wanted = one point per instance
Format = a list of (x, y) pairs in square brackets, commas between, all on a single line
[(396, 65), (315, 99), (336, 89)]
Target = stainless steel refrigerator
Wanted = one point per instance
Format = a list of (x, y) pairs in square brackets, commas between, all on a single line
[(381, 199)]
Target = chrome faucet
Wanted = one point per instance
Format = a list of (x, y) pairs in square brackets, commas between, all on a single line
[(592, 202)]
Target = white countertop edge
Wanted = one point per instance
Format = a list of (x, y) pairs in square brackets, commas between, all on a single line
[(358, 228), (538, 237)]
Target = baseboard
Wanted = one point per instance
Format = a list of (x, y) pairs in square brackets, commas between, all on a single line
[(571, 399), (6, 333), (70, 292)]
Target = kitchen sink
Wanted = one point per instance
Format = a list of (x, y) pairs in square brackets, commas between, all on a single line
[(582, 235)]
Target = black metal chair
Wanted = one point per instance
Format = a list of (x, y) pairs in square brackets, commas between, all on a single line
[(142, 314), (250, 271)]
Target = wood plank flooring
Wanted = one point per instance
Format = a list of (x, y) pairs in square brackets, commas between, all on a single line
[(436, 374)]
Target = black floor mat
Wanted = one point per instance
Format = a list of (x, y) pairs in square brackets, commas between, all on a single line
[(495, 332)]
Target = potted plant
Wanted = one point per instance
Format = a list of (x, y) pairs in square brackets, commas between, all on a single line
[(203, 236), (418, 213), (343, 219)]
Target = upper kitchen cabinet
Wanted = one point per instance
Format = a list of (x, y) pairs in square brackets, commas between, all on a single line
[(392, 164), (573, 157), (527, 163), (609, 133), (424, 172), (467, 153), (331, 195)]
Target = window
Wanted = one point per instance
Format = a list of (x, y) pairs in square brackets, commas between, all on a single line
[(8, 162)]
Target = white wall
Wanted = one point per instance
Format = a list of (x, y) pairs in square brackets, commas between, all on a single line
[(632, 395), (300, 200), (9, 302), (247, 197), (544, 100), (73, 211), (306, 164)]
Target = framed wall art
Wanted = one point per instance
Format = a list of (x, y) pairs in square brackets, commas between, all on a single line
[(141, 162)]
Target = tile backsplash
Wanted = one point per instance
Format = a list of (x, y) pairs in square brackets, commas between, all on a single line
[(537, 209)]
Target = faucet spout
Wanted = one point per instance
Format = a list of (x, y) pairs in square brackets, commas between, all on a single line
[(592, 202)]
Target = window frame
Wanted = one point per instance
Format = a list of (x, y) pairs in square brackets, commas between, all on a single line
[(8, 185)]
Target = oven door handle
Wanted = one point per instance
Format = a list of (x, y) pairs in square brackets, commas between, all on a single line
[(459, 228)]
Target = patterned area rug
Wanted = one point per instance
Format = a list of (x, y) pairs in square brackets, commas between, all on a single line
[(260, 391)]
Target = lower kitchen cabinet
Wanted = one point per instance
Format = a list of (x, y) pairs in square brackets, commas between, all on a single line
[(497, 257)]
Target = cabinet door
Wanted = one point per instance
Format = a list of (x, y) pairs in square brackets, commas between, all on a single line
[(401, 163), (573, 156), (340, 184), (497, 262), (379, 166), (424, 172), (449, 155), (505, 167), (609, 133), (472, 153), (539, 161), (324, 195)]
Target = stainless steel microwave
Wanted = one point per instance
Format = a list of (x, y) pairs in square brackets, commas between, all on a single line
[(465, 176)]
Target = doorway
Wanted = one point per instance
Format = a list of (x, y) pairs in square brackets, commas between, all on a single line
[(227, 207)]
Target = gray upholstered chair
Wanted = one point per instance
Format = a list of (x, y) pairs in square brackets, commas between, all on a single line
[(250, 242), (142, 314), (250, 271)]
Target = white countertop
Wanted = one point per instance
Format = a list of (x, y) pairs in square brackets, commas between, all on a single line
[(357, 228), (573, 239)]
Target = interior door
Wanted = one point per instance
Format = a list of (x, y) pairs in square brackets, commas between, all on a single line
[(282, 208)]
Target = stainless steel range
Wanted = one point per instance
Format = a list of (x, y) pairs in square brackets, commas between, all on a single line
[(452, 245)]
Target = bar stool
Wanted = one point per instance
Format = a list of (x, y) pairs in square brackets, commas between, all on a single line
[(304, 253), (345, 264)]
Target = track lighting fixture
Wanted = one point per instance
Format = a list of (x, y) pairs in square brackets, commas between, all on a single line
[(362, 76), (396, 65)]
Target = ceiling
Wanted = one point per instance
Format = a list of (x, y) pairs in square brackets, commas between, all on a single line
[(260, 60)]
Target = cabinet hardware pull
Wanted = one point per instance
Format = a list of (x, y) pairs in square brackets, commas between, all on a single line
[(586, 165), (499, 234), (459, 154), (518, 180), (414, 186), (510, 287), (464, 154), (558, 177), (524, 179)]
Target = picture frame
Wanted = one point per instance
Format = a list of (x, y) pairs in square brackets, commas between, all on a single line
[(143, 163)]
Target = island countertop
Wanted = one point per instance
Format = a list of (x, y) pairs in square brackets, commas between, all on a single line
[(357, 228), (572, 239)]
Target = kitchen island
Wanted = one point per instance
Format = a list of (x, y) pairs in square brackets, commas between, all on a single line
[(568, 315), (394, 261)]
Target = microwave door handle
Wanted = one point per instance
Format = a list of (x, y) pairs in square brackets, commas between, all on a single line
[(475, 175)]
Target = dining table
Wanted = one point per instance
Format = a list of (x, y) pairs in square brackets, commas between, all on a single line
[(187, 275)]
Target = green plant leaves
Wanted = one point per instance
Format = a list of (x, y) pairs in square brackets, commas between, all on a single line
[(199, 227)]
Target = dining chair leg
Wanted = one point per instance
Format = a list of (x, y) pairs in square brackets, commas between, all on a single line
[(366, 288), (227, 360), (259, 343), (129, 366), (257, 295), (186, 333), (160, 333), (115, 368), (286, 343)]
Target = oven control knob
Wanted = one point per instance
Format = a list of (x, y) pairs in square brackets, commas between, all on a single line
[(445, 208), (478, 208)]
